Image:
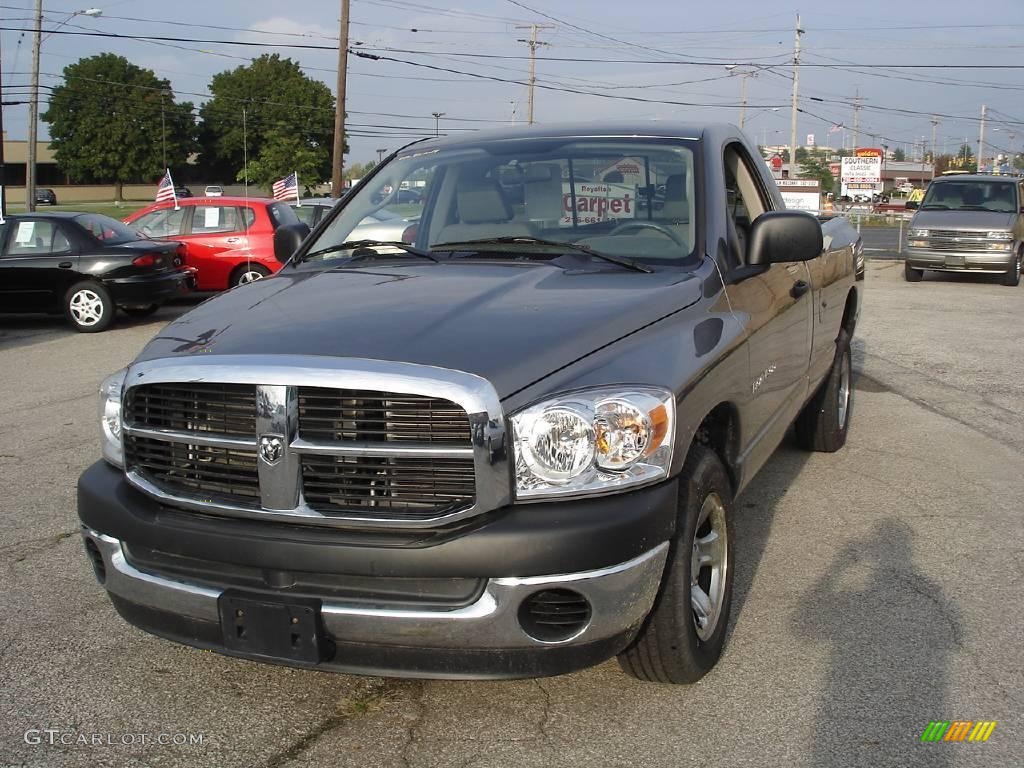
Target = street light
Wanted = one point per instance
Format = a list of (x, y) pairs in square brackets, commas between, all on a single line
[(380, 154), (437, 122), (33, 102)]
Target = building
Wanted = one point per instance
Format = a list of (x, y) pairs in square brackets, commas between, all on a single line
[(16, 160)]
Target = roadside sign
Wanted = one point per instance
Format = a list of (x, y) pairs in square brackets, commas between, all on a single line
[(864, 169)]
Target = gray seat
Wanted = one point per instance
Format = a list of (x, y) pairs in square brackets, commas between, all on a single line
[(543, 195), (676, 207), (483, 212)]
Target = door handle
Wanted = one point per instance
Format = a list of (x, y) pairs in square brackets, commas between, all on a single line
[(233, 240), (65, 265), (800, 287)]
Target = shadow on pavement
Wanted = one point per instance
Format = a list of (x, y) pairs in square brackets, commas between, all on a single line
[(892, 633)]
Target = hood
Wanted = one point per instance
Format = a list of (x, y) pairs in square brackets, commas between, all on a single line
[(964, 220), (512, 324)]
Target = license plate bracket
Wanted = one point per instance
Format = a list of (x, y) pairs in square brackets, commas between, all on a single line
[(277, 628), (955, 261)]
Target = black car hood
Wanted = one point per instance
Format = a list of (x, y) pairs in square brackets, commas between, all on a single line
[(512, 324)]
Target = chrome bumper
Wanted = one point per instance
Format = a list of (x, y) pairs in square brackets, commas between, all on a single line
[(958, 261), (620, 596)]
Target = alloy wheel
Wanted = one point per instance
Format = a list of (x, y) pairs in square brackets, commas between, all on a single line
[(249, 276), (709, 564), (86, 307)]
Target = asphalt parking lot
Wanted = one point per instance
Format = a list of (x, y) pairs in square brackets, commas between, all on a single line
[(877, 589)]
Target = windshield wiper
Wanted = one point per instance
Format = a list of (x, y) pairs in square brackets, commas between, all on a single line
[(622, 261), (351, 245), (934, 207)]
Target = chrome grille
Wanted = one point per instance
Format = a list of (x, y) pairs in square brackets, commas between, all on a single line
[(345, 414), (227, 409), (420, 487), (290, 445), (201, 471), (953, 240)]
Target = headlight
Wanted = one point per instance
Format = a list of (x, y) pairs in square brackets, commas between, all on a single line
[(1004, 246), (917, 233), (1004, 236), (597, 440), (110, 417)]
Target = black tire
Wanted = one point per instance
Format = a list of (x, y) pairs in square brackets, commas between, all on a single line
[(669, 648), (1012, 276), (912, 275), (242, 271), (823, 423), (89, 307), (139, 312)]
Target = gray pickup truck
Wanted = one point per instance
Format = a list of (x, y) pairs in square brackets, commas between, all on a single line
[(968, 223), (507, 444)]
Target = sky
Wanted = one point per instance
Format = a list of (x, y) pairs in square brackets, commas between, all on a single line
[(646, 60)]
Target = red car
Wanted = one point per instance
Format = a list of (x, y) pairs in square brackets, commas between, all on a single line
[(228, 240)]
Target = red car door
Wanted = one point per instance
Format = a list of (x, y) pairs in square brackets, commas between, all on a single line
[(216, 241)]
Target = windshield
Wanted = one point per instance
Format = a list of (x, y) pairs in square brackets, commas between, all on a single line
[(996, 196), (626, 197), (108, 230)]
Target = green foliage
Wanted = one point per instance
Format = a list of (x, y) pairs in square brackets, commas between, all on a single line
[(285, 112), (358, 171), (105, 122), (817, 168), (898, 155)]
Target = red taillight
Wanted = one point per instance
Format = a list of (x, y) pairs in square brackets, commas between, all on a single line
[(149, 260), (409, 235)]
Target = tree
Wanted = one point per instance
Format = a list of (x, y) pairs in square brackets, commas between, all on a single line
[(285, 111), (898, 155), (817, 168), (283, 153), (964, 159), (105, 123)]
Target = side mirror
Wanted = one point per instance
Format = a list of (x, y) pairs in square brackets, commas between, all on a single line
[(911, 205), (287, 239), (779, 236)]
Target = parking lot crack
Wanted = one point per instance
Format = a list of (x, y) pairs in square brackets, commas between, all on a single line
[(43, 545), (420, 689), (545, 720)]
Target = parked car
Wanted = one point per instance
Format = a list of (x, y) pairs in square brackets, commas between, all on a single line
[(228, 242), (967, 223), (213, 191), (45, 196), (379, 225), (509, 448), (85, 265), (399, 196), (181, 192)]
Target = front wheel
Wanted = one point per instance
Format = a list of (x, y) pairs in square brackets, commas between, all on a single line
[(248, 273), (912, 275), (89, 307), (684, 634), (1012, 276)]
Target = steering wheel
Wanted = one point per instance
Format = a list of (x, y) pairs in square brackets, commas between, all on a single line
[(663, 229)]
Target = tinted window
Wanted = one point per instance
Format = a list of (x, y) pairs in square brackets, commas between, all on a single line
[(208, 219), (307, 214), (998, 196), (37, 238), (105, 229), (281, 213), (163, 223)]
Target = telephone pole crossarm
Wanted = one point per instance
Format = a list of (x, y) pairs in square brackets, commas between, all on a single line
[(533, 44)]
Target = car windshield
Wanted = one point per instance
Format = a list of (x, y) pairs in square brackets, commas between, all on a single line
[(996, 196), (107, 230), (631, 198)]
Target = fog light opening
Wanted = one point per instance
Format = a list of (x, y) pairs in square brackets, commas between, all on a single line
[(554, 615), (98, 566)]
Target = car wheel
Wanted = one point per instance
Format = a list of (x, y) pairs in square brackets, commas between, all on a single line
[(684, 634), (89, 307), (1012, 276), (141, 311), (823, 423), (248, 273), (912, 275)]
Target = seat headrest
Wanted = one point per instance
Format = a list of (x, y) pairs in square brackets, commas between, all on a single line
[(675, 187), (482, 202)]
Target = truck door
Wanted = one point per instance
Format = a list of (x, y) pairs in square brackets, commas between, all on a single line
[(776, 309)]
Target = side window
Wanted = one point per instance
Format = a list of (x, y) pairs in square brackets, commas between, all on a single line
[(38, 238), (249, 216), (208, 219), (163, 223), (744, 198)]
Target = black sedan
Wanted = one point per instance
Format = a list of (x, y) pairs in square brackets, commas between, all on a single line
[(85, 265)]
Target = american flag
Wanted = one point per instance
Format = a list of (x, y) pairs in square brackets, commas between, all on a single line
[(287, 187), (836, 127), (165, 190)]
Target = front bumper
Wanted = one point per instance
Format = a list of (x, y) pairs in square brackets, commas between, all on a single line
[(143, 290), (960, 261), (611, 551), (483, 639)]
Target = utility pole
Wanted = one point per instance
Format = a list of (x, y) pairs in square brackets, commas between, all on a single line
[(743, 75), (337, 176), (437, 122), (380, 154), (796, 92), (856, 120), (33, 111), (935, 122), (533, 43), (981, 138)]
